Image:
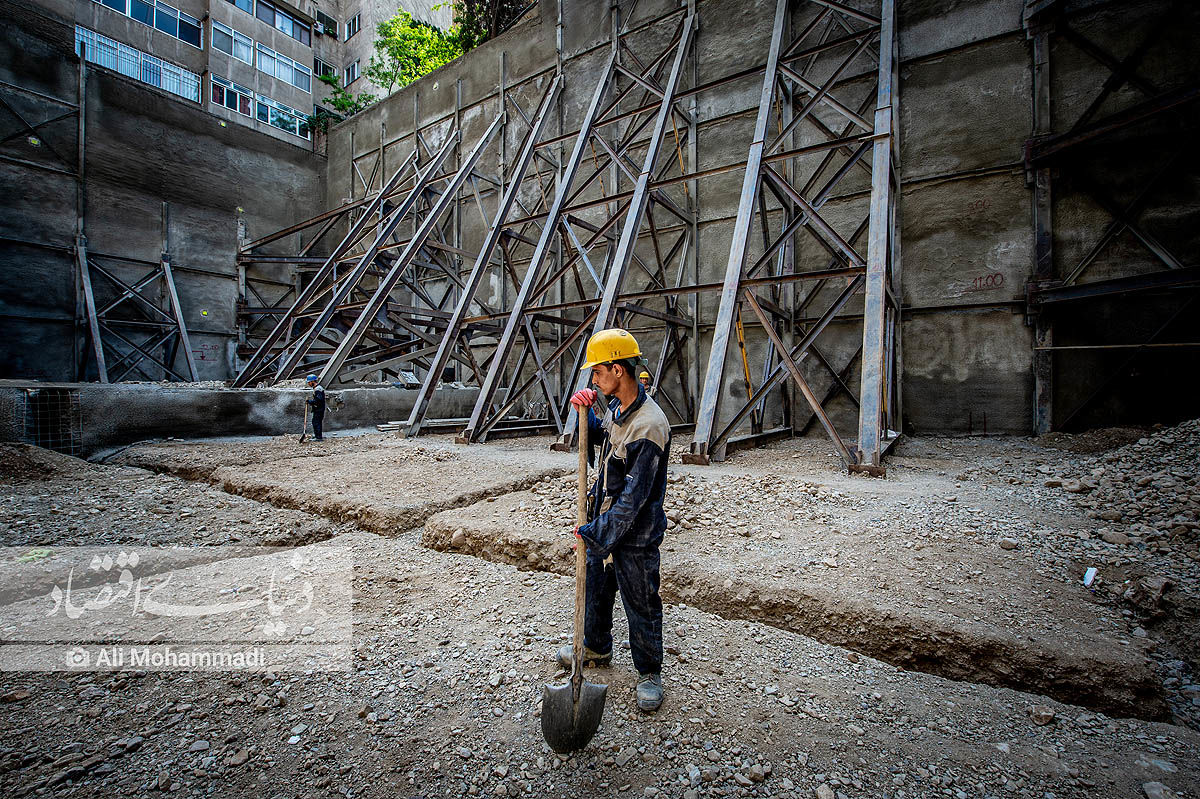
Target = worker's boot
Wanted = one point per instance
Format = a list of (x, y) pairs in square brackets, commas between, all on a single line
[(649, 692), (566, 656)]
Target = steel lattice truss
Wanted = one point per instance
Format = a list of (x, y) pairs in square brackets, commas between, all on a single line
[(608, 238), (1125, 103), (604, 256), (139, 322), (824, 129), (384, 298)]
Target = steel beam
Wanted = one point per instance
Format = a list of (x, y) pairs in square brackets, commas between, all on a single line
[(449, 194), (873, 393), (455, 328)]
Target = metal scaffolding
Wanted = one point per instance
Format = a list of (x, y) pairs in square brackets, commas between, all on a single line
[(124, 326), (825, 126), (1061, 160), (599, 226), (609, 238)]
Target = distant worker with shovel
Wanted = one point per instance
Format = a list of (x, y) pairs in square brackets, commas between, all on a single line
[(625, 512), (317, 404)]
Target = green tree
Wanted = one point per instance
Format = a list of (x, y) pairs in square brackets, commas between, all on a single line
[(476, 21), (345, 102), (407, 49)]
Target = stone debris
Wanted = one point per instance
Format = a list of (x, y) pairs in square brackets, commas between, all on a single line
[(451, 653)]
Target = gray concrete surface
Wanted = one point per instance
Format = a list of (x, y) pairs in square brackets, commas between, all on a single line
[(109, 416), (143, 147)]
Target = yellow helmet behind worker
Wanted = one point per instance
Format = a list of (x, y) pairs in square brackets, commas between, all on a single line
[(613, 344), (644, 374)]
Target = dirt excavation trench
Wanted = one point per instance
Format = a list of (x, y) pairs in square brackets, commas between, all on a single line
[(963, 544), (959, 575)]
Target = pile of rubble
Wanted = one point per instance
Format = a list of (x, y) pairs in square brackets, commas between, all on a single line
[(1151, 488)]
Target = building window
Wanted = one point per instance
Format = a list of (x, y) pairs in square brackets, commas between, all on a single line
[(138, 65), (230, 95), (352, 26), (142, 12), (321, 69), (278, 115), (244, 5), (284, 22), (351, 73), (326, 24), (227, 40), (165, 18), (284, 68)]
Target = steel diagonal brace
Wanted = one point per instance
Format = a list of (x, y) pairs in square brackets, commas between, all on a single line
[(798, 376), (454, 328), (253, 367), (504, 345), (352, 279), (637, 206), (715, 370), (797, 354), (388, 282)]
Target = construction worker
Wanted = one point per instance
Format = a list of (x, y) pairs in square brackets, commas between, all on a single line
[(644, 379), (625, 511), (317, 403)]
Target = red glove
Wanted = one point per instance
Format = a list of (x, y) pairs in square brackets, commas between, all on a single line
[(583, 398)]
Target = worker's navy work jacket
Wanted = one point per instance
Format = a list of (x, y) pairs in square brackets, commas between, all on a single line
[(317, 402), (625, 506)]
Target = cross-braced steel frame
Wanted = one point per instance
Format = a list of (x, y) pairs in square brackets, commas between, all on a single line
[(131, 326), (1061, 155), (579, 276), (138, 322), (824, 131), (363, 308), (611, 239)]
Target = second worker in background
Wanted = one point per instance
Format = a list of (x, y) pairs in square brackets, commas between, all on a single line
[(625, 511)]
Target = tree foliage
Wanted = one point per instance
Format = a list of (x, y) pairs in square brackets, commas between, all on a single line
[(479, 20), (407, 49), (343, 101)]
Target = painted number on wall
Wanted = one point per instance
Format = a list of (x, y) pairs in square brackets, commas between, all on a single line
[(992, 281), (205, 352), (978, 206)]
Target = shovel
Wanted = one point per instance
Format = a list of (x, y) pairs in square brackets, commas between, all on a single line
[(571, 713), (304, 430)]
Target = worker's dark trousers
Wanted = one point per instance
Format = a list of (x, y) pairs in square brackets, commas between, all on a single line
[(634, 571), (318, 420)]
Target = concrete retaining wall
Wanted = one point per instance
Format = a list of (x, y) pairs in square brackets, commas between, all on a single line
[(143, 147), (108, 416)]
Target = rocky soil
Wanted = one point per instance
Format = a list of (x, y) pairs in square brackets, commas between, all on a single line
[(450, 651)]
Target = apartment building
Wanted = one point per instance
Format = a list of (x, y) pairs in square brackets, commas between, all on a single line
[(250, 62)]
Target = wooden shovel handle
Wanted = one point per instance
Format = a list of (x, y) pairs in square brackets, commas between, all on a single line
[(580, 552)]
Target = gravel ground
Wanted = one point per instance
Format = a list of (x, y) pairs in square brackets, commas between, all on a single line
[(450, 652), (450, 655)]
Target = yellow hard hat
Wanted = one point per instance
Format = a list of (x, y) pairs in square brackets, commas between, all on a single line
[(613, 344), (643, 374)]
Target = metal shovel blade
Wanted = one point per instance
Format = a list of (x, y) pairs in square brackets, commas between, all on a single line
[(568, 725)]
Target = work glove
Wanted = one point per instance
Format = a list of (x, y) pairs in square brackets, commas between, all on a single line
[(583, 398)]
